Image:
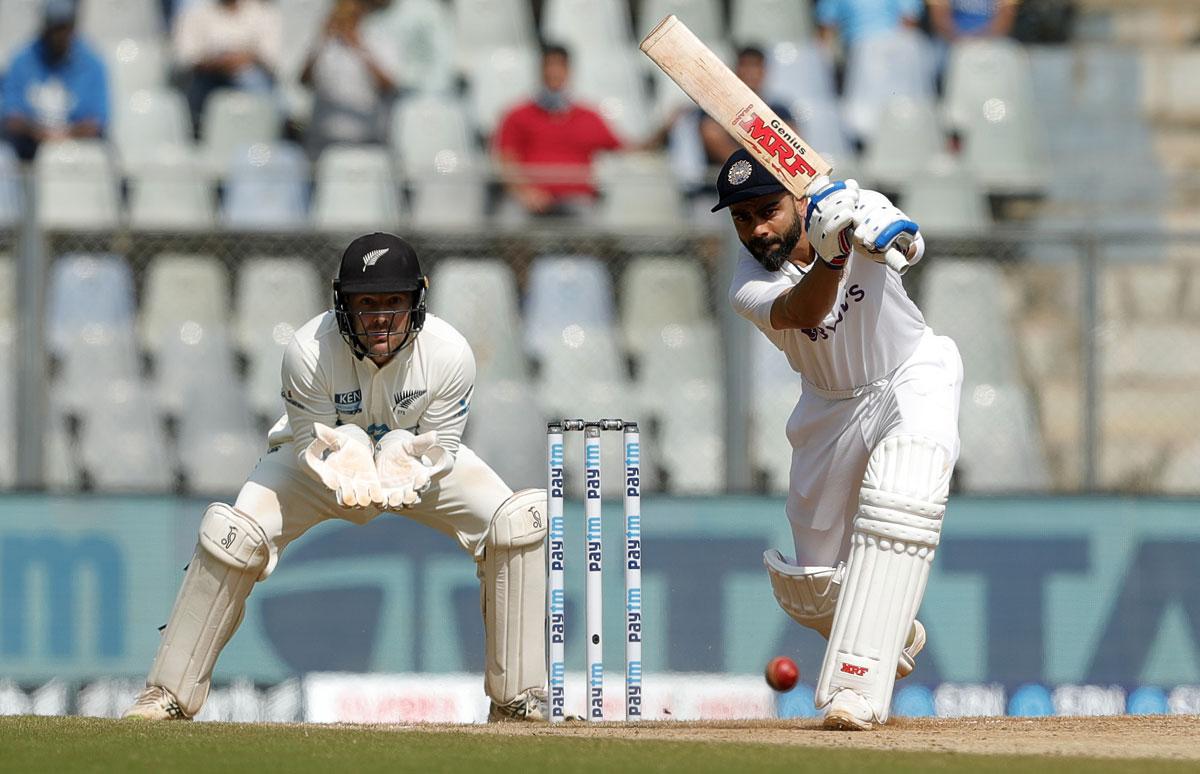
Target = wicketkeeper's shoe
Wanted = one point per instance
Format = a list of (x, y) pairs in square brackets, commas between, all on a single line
[(529, 706), (848, 711), (156, 703), (912, 646)]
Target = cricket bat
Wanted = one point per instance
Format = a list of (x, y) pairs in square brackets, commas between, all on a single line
[(732, 104)]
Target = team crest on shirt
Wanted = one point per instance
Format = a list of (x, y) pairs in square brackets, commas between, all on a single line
[(348, 402), (405, 398)]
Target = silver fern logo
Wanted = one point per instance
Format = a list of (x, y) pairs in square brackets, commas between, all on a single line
[(371, 258), (406, 398)]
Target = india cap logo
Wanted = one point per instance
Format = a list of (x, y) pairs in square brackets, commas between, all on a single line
[(372, 257), (740, 172)]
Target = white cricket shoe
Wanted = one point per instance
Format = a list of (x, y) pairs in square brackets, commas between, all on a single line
[(848, 711), (912, 646), (529, 706), (156, 703)]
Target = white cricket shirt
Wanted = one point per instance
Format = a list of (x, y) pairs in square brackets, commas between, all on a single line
[(872, 328), (426, 386)]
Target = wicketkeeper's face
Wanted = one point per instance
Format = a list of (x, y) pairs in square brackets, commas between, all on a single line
[(380, 320), (769, 226)]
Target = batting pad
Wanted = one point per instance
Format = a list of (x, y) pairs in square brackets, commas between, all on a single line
[(514, 597), (895, 534), (231, 556), (808, 594)]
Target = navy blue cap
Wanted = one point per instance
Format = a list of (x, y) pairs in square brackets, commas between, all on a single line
[(741, 178)]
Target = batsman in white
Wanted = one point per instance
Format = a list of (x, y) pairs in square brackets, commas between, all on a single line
[(874, 434), (377, 394)]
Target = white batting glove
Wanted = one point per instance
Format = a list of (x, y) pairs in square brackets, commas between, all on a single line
[(407, 464), (829, 219), (340, 458), (881, 226)]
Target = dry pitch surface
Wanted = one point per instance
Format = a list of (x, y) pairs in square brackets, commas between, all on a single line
[(1172, 737)]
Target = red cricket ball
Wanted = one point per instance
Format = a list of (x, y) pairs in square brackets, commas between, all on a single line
[(782, 673)]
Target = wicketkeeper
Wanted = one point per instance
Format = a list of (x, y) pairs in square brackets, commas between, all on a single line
[(377, 393), (874, 434)]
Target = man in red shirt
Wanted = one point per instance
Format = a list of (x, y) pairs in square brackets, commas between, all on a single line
[(545, 146)]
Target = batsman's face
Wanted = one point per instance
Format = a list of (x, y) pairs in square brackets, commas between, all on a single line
[(380, 320), (770, 227)]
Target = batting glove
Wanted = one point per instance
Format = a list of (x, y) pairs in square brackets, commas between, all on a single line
[(829, 219), (881, 226)]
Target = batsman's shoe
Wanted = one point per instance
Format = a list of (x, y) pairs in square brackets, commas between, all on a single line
[(529, 706), (913, 646), (848, 711), (156, 703)]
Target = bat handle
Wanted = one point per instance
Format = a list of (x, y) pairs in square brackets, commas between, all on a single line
[(896, 260)]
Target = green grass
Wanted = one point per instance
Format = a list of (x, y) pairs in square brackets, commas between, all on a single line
[(36, 744)]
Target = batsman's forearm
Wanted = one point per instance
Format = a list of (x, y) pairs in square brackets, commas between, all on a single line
[(806, 304)]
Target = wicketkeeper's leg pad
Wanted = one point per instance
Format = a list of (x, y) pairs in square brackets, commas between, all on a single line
[(895, 535), (232, 554), (807, 594), (514, 596)]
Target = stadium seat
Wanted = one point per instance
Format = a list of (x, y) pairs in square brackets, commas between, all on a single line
[(145, 122), (84, 290), (498, 78), (882, 67), (267, 188), (679, 380), (234, 119), (478, 296), (1151, 350), (660, 291), (22, 20), (100, 355), (122, 445), (429, 133), (796, 71), (909, 138), (945, 199), (775, 390), (303, 21), (218, 441), (508, 431), (193, 365), (968, 301), (356, 190), (77, 186), (480, 25), (1142, 292), (1171, 84), (181, 290), (137, 65), (275, 296), (765, 22), (171, 190), (564, 292), (703, 17), (612, 82), (587, 26), (450, 198), (59, 458), (983, 69), (12, 199), (107, 21), (639, 193), (1001, 445), (1182, 472), (686, 152), (820, 124), (1004, 148), (421, 33)]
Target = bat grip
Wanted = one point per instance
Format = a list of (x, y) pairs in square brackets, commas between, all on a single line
[(896, 260)]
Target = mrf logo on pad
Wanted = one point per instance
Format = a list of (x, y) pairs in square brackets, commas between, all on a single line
[(775, 143)]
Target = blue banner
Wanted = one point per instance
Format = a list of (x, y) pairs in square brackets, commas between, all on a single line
[(1057, 591)]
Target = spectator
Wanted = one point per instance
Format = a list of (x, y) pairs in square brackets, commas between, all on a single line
[(545, 147), (353, 79), (954, 19), (226, 44), (751, 67), (855, 20), (56, 86)]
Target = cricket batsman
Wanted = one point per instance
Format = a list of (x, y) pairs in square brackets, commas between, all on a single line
[(874, 434), (377, 393)]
